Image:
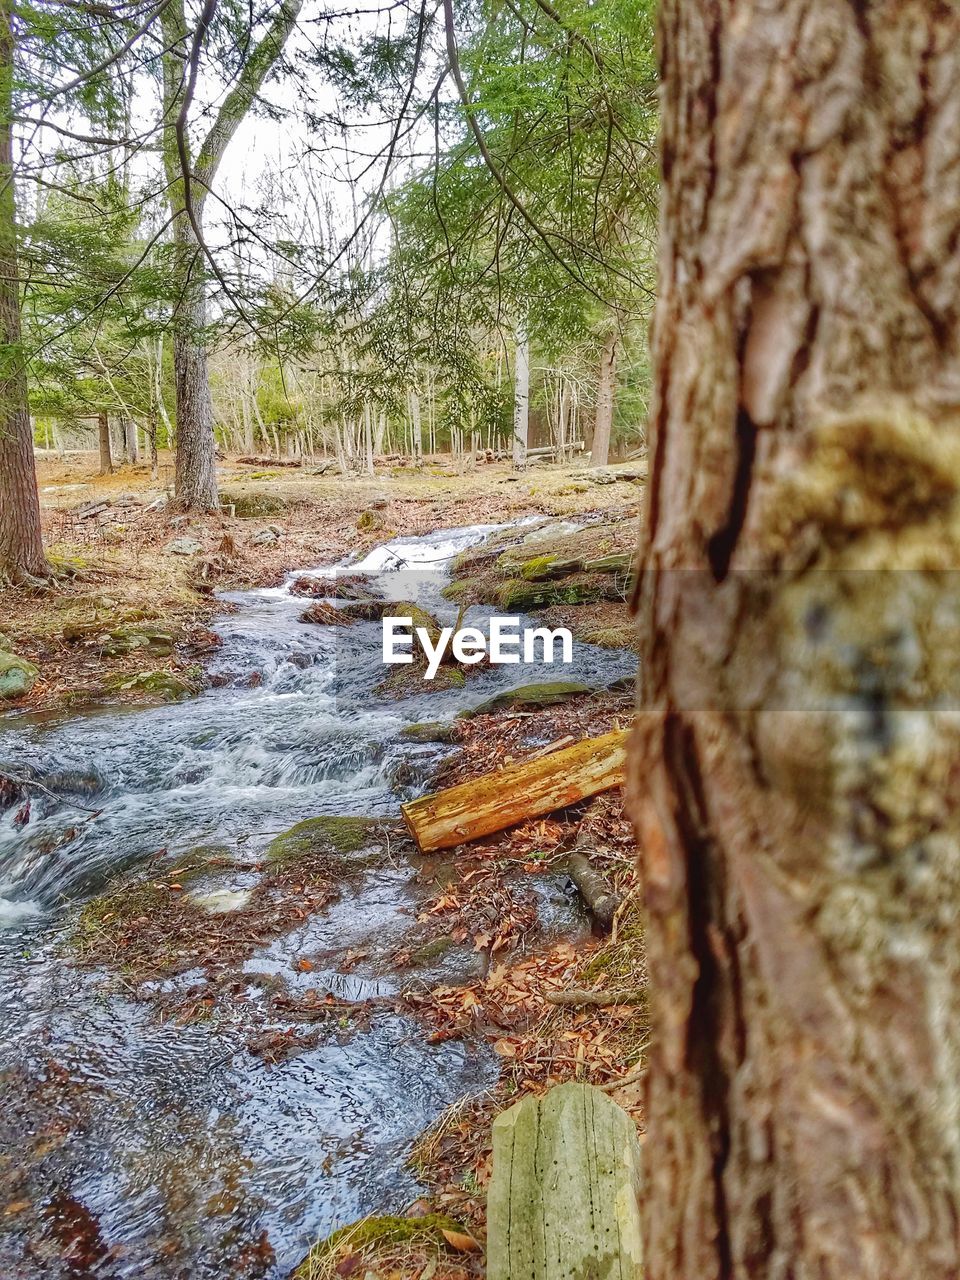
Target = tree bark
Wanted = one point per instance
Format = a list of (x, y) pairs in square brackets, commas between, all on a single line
[(521, 399), (195, 467), (21, 543), (606, 398), (103, 439), (195, 471), (794, 790)]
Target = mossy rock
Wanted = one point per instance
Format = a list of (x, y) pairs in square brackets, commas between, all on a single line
[(433, 950), (6, 644), (408, 679), (527, 596), (540, 568), (378, 1233), (255, 505), (368, 520), (530, 696), (622, 637), (467, 591), (418, 617), (333, 835), (17, 676), (429, 731), (165, 684), (621, 562)]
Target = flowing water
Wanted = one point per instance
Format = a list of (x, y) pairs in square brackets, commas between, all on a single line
[(134, 1147)]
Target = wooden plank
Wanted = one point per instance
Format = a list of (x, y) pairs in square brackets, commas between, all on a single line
[(564, 1196), (528, 789)]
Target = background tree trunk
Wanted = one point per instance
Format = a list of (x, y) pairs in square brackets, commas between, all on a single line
[(195, 472), (606, 398), (521, 399), (103, 438), (21, 544), (795, 794)]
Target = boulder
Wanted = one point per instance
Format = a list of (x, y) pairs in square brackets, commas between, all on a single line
[(429, 731), (183, 547), (17, 676), (264, 538), (530, 696)]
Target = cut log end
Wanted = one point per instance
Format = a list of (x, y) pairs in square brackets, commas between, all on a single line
[(564, 1195)]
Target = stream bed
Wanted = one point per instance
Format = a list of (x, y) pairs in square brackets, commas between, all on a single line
[(133, 1146)]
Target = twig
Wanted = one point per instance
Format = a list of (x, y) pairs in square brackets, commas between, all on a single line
[(579, 998), (30, 782)]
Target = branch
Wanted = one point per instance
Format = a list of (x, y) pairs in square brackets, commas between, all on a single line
[(240, 98)]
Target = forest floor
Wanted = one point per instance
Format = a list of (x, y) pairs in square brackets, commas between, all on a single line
[(570, 1009), (130, 615)]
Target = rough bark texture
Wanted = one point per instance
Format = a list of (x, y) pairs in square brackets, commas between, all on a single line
[(21, 545), (606, 398), (103, 439), (796, 796)]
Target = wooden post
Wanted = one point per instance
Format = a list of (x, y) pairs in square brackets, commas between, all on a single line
[(564, 1196)]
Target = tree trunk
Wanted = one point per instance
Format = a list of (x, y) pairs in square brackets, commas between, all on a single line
[(195, 472), (795, 792), (416, 428), (521, 399), (195, 475), (21, 544), (103, 437), (130, 438), (606, 398)]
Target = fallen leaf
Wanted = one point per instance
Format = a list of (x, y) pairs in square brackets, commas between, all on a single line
[(460, 1241), (305, 966)]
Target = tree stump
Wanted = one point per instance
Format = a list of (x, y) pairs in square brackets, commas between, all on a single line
[(564, 1196)]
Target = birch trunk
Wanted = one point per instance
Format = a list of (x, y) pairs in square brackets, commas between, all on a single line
[(795, 793), (521, 399), (21, 544)]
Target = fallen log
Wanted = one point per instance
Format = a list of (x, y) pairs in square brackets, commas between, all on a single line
[(594, 888), (578, 998), (565, 1191), (528, 789)]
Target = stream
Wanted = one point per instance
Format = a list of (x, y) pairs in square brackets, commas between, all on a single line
[(136, 1147)]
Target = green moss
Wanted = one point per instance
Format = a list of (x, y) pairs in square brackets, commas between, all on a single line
[(254, 505), (545, 694), (321, 835), (469, 591), (582, 589), (379, 1232), (433, 950), (17, 675), (367, 520), (407, 680), (621, 961), (537, 568), (164, 684)]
